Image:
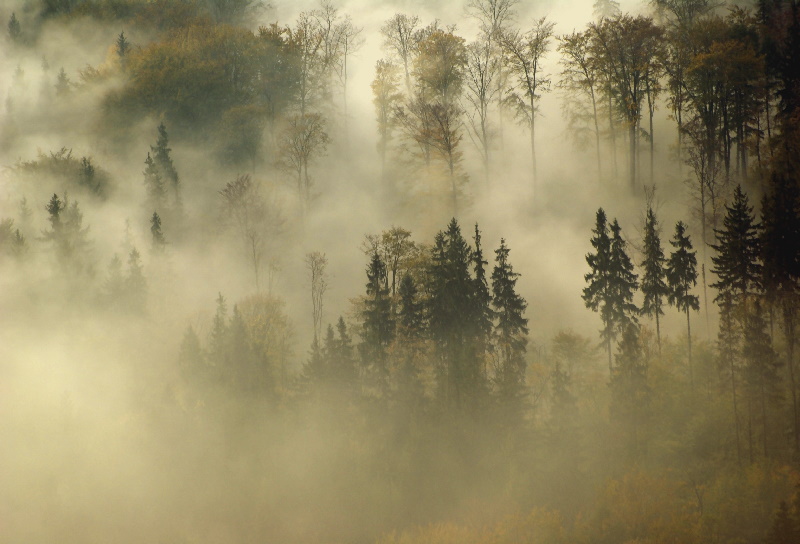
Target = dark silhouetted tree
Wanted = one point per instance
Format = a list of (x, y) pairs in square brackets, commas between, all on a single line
[(654, 287), (682, 277)]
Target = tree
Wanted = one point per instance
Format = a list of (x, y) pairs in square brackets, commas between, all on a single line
[(579, 81), (303, 141), (602, 9), (737, 261), (154, 184), (481, 74), (682, 277), (482, 297), (135, 283), (158, 242), (654, 287), (399, 39), (123, 46), (510, 333), (68, 235), (378, 328), (453, 321), (627, 49), (629, 388), (387, 97), (439, 67), (524, 54), (611, 281), (780, 255), (316, 263), (255, 221), (162, 162), (14, 28), (63, 83)]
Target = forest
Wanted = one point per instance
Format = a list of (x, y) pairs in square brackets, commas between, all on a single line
[(400, 272)]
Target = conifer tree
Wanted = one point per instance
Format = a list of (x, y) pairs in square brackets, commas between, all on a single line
[(62, 83), (682, 277), (760, 371), (344, 372), (780, 254), (218, 337), (411, 318), (122, 47), (154, 184), (378, 328), (191, 358), (630, 391), (14, 28), (597, 294), (611, 281), (510, 333), (155, 230), (482, 298), (623, 281), (453, 320), (164, 166), (736, 263), (654, 287), (729, 350), (135, 283)]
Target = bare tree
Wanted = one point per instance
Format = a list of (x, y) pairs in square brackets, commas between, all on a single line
[(481, 75), (387, 97), (579, 82), (492, 15), (255, 220), (303, 140), (524, 53), (399, 39), (316, 263)]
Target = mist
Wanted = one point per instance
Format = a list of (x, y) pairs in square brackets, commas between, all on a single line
[(238, 306)]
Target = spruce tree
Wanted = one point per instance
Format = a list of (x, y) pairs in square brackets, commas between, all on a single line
[(623, 282), (682, 277), (630, 391), (453, 320), (154, 184), (155, 230), (122, 47), (654, 287), (378, 323), (62, 83), (218, 337), (166, 169), (596, 294), (760, 371), (14, 28), (780, 254), (482, 298), (135, 283), (510, 333), (737, 261)]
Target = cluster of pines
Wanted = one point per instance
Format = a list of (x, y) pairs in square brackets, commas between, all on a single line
[(441, 331), (757, 270)]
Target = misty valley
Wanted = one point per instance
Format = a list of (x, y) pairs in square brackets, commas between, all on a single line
[(400, 272)]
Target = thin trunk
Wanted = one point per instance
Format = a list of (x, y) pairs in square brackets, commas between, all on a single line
[(650, 107), (764, 416), (689, 344), (705, 295), (613, 134), (750, 450), (597, 139), (735, 411), (632, 143), (533, 147), (658, 329), (790, 350)]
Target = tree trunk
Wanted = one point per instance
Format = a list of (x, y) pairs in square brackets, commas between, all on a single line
[(597, 140), (735, 411), (533, 147), (632, 137), (689, 343)]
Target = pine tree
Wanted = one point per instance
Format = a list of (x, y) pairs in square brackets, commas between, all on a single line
[(218, 337), (453, 320), (736, 263), (630, 391), (154, 184), (597, 294), (122, 46), (761, 369), (165, 168), (780, 254), (510, 333), (62, 83), (155, 230), (344, 372), (653, 287), (682, 277), (623, 282), (191, 358), (14, 28), (135, 283), (482, 299), (378, 328), (410, 338), (114, 287), (411, 317)]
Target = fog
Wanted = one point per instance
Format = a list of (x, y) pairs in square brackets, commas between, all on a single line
[(109, 431)]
